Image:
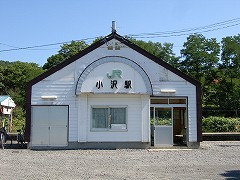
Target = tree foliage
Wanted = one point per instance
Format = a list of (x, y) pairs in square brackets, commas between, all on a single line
[(66, 51), (229, 73), (230, 56), (1, 80), (162, 51), (15, 77), (200, 56)]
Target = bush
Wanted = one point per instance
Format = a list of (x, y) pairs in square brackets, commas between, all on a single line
[(220, 124), (18, 119)]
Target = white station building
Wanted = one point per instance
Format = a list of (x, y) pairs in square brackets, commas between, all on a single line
[(113, 94)]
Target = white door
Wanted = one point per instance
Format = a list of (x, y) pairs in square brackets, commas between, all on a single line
[(49, 125), (163, 128)]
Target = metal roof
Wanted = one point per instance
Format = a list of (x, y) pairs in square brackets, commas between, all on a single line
[(2, 98)]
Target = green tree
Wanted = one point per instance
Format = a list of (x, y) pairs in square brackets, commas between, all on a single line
[(66, 51), (162, 51), (227, 97), (19, 116), (230, 57), (229, 68), (200, 56), (53, 61), (16, 75), (1, 81), (3, 65)]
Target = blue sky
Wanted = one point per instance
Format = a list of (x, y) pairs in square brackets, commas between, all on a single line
[(29, 23)]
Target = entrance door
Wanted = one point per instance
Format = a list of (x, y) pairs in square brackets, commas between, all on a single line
[(163, 128), (179, 125), (49, 125), (169, 121)]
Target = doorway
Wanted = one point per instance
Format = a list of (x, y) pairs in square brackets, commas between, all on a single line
[(179, 126), (163, 127), (168, 122)]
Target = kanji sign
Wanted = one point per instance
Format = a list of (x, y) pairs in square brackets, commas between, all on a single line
[(116, 80), (99, 84), (113, 84), (128, 84)]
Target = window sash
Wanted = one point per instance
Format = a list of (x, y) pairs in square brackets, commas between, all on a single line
[(118, 115), (99, 117), (103, 117)]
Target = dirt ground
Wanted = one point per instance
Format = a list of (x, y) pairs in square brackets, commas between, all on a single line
[(214, 160)]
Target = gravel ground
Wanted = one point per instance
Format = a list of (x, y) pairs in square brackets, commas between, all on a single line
[(214, 160)]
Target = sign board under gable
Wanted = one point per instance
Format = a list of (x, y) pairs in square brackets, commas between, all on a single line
[(114, 77)]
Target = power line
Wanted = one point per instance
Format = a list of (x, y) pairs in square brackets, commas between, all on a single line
[(185, 34), (182, 32), (38, 46), (190, 29), (8, 45), (28, 49)]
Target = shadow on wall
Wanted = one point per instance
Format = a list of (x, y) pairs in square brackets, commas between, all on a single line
[(234, 174)]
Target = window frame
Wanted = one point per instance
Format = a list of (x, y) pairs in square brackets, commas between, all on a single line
[(168, 101), (109, 128)]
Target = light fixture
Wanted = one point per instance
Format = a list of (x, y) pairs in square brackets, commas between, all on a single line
[(49, 97), (167, 90)]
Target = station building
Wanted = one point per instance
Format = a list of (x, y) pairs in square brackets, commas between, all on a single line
[(113, 94)]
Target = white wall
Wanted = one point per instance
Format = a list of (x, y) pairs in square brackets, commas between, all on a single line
[(135, 120)]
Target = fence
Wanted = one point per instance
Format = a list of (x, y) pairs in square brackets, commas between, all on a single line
[(221, 113)]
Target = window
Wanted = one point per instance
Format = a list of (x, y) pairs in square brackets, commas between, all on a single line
[(159, 101), (169, 101), (177, 101), (100, 117), (109, 118)]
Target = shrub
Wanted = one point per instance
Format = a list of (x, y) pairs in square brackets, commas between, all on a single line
[(18, 119), (220, 124)]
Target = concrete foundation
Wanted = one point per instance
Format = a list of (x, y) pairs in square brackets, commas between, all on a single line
[(95, 145), (193, 145)]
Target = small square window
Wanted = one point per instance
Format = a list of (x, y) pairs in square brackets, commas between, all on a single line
[(110, 47)]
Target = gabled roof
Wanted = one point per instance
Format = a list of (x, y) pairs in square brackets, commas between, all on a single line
[(7, 101), (123, 40)]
